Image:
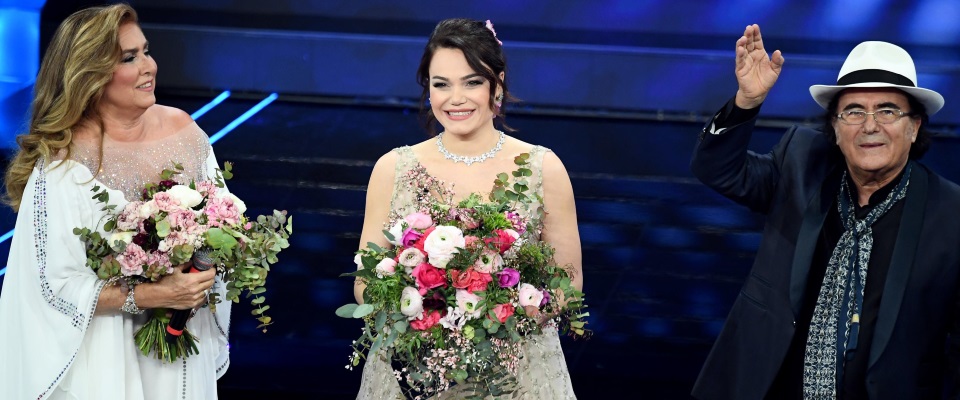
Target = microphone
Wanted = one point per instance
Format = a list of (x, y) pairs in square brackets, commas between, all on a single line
[(178, 321)]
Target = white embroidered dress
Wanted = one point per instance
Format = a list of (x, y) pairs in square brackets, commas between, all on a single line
[(51, 344), (543, 370)]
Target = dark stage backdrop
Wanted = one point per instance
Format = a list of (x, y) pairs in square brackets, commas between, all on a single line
[(618, 89)]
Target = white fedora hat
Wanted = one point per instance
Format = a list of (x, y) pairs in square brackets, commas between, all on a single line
[(878, 65)]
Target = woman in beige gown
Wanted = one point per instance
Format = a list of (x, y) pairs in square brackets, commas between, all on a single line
[(462, 74)]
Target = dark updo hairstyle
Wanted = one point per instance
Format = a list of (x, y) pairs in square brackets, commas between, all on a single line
[(917, 110), (484, 54)]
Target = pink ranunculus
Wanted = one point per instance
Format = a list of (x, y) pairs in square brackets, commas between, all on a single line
[(132, 260), (430, 318), (508, 277), (386, 267), (488, 262), (503, 311), (428, 277), (529, 295), (419, 220), (411, 257), (410, 237)]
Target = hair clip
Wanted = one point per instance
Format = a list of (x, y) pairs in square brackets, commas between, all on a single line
[(489, 26)]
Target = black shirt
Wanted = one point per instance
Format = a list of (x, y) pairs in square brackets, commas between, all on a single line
[(789, 381)]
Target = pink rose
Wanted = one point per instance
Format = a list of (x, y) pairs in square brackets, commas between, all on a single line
[(410, 237), (428, 277), (419, 220), (508, 277), (470, 280), (503, 240), (503, 311), (430, 318)]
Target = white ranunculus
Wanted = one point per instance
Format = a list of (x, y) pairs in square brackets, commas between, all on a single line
[(454, 320), (411, 303), (187, 197), (488, 262), (358, 259), (442, 244), (119, 240), (529, 295), (386, 267), (468, 302), (241, 206), (397, 231)]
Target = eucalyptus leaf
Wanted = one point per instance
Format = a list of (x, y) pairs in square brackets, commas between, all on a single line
[(362, 311), (346, 311)]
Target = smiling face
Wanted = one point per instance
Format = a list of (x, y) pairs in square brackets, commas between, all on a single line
[(133, 82), (459, 96), (875, 151)]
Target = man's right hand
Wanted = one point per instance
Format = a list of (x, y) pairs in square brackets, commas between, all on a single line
[(756, 72)]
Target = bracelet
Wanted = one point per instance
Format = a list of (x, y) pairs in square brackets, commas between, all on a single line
[(130, 305)]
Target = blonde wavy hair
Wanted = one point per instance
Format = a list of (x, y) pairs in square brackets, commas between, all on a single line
[(75, 69)]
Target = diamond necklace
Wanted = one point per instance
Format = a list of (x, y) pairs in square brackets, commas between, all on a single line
[(469, 160)]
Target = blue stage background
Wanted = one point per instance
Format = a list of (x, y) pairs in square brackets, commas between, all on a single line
[(618, 89)]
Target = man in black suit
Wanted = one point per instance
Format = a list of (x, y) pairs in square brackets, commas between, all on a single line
[(854, 293)]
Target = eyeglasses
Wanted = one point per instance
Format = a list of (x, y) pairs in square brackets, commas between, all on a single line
[(882, 116)]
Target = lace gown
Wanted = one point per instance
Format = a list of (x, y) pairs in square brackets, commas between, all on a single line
[(543, 370), (51, 343)]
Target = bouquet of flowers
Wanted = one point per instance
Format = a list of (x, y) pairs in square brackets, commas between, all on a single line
[(462, 285), (168, 226)]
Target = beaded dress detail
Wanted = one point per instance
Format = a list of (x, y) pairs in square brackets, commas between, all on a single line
[(543, 370)]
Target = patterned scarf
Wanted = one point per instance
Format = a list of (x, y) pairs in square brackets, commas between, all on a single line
[(830, 338)]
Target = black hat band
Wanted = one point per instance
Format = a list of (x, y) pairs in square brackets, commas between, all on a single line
[(874, 75)]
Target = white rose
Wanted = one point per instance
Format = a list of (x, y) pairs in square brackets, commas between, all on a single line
[(241, 206), (529, 295), (147, 210), (442, 244), (468, 302), (411, 303), (119, 240), (187, 197), (397, 232), (386, 267)]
